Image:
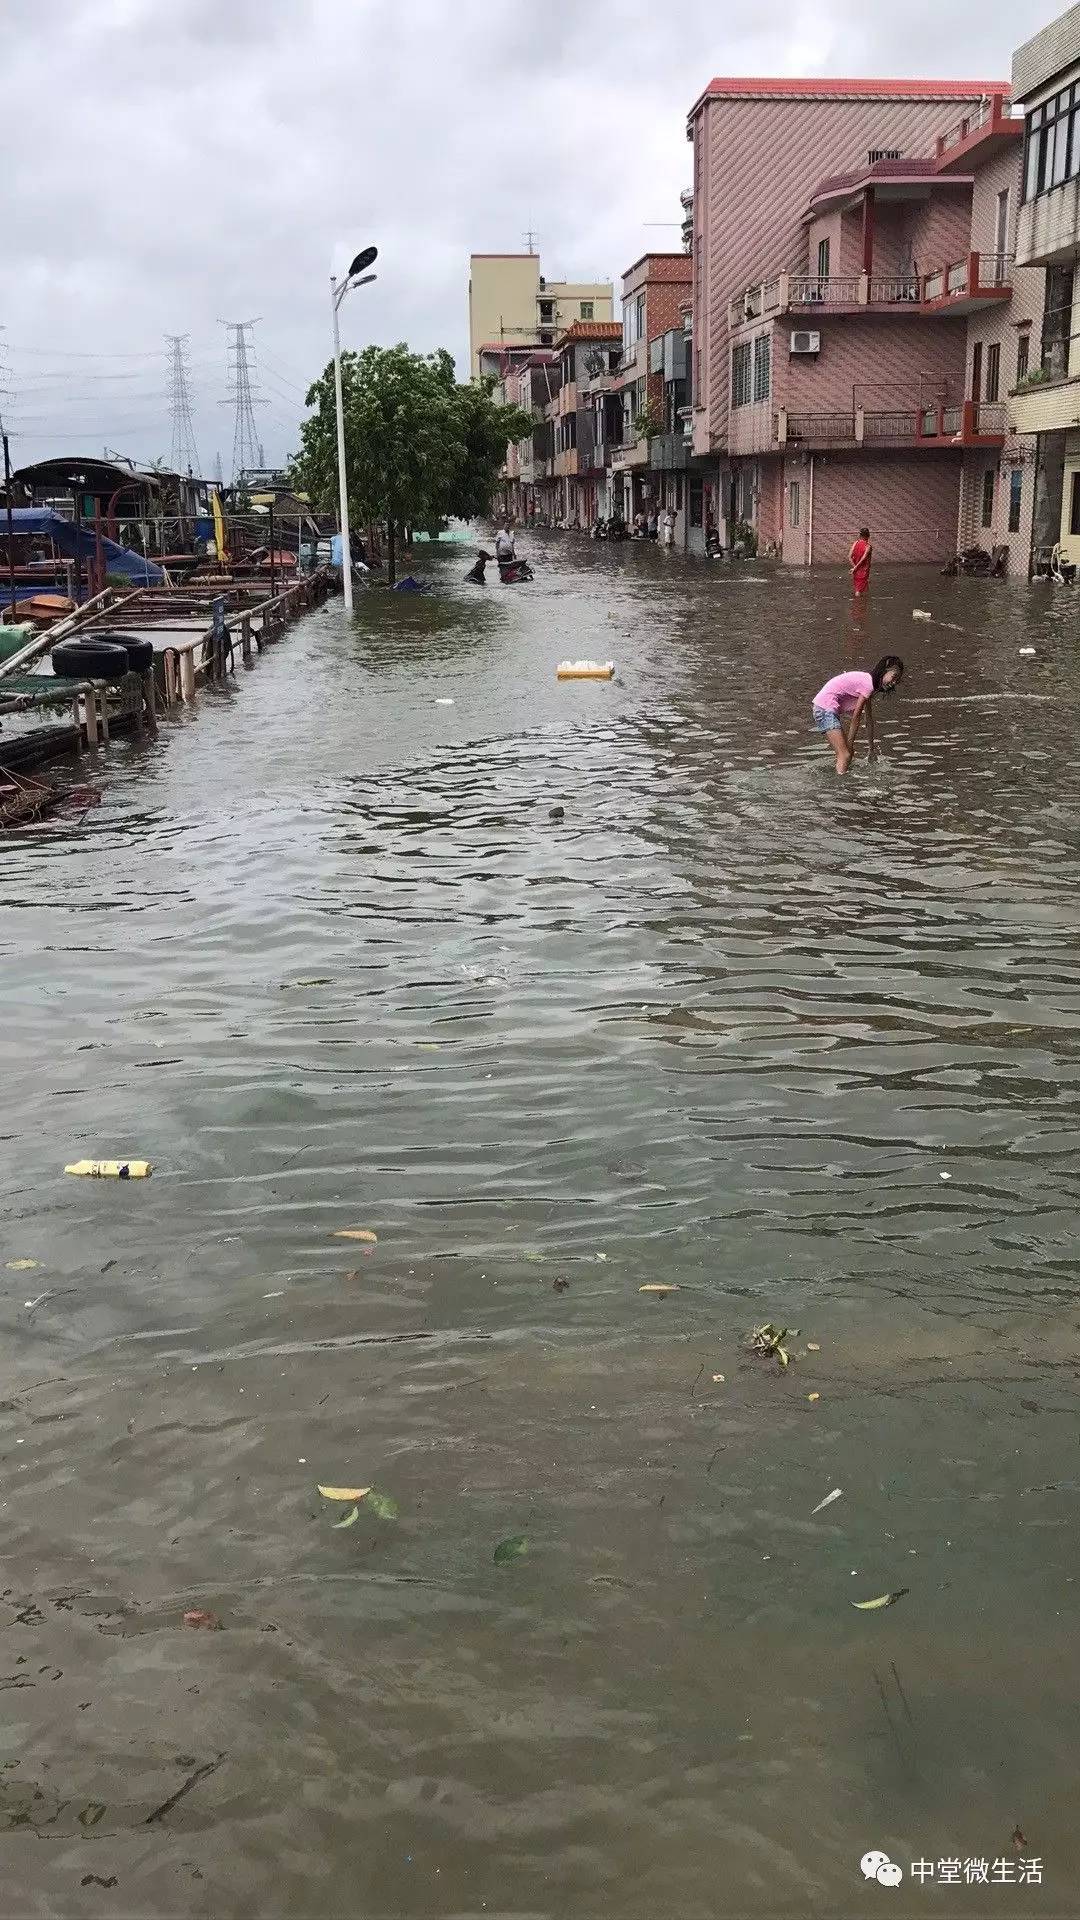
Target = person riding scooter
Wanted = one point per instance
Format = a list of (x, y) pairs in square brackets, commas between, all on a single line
[(477, 570)]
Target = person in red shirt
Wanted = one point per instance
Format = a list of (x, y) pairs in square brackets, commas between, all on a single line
[(860, 557)]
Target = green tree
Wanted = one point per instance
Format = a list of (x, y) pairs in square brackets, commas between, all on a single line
[(418, 447)]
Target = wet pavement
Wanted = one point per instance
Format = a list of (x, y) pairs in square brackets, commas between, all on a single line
[(803, 1048)]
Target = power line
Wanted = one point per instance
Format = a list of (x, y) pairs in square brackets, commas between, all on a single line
[(243, 397), (185, 454)]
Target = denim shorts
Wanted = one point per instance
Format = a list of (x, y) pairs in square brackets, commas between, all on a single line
[(825, 721)]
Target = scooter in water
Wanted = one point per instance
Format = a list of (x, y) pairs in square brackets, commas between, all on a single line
[(511, 571)]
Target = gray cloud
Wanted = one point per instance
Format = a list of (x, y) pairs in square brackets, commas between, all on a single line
[(171, 166)]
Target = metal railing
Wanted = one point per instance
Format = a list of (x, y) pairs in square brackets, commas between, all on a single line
[(990, 416), (833, 291), (821, 426), (894, 424), (995, 269), (891, 292), (756, 302), (956, 277)]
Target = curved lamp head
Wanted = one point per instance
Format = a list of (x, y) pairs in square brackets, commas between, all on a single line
[(363, 280), (364, 259)]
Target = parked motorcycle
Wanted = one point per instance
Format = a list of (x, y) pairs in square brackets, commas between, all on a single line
[(511, 571)]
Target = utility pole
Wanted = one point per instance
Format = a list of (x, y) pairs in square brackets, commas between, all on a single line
[(185, 454), (243, 397), (5, 394), (10, 528)]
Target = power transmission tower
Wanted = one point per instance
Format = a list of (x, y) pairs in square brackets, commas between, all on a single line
[(243, 396), (219, 477), (185, 454)]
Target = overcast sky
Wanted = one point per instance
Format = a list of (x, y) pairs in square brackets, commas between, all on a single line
[(171, 163)]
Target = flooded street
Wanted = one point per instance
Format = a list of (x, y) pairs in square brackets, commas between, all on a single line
[(804, 1049)]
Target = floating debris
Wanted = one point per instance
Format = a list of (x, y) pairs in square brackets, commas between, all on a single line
[(770, 1340), (357, 1233), (350, 1520), (21, 1266), (882, 1600), (381, 1505), (813, 1396), (511, 1549), (112, 1169), (344, 1493), (200, 1617), (658, 1287), (836, 1494)]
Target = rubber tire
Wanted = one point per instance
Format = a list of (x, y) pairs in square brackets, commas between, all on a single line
[(140, 652), (89, 660)]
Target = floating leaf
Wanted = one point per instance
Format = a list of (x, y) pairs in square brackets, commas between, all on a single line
[(883, 1600), (783, 1356), (349, 1521), (511, 1549), (659, 1287), (21, 1266), (836, 1494), (357, 1233), (381, 1505), (812, 1347), (92, 1813), (344, 1493)]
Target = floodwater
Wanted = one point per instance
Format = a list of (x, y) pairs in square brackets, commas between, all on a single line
[(803, 1048)]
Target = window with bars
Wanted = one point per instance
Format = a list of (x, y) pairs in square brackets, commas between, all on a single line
[(1052, 142), (741, 374), (988, 497), (762, 366), (1016, 491), (1023, 352), (993, 372)]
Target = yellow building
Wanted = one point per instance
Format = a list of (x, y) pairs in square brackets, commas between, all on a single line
[(511, 302)]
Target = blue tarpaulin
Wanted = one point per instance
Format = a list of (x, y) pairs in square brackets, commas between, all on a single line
[(72, 538)]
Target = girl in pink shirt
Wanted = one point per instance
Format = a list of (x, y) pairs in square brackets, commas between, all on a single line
[(839, 707)]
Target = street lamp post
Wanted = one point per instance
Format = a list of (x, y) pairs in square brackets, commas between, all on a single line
[(356, 277)]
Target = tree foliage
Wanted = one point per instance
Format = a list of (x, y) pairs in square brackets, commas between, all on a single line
[(419, 447)]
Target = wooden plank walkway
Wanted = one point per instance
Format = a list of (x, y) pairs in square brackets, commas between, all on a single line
[(197, 631)]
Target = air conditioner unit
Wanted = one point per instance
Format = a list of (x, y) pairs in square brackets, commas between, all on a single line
[(803, 342)]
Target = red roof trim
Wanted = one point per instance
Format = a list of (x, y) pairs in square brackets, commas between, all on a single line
[(734, 86)]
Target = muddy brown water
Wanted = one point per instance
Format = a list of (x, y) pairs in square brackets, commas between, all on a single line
[(324, 957)]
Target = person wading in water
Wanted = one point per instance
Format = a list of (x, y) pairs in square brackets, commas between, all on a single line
[(860, 557)]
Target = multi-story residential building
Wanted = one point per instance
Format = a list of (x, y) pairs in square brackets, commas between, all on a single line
[(589, 355), (512, 304), (830, 301), (529, 481), (654, 292), (1045, 399)]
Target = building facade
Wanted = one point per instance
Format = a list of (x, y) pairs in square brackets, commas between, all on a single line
[(654, 293), (1045, 399), (830, 302), (511, 303)]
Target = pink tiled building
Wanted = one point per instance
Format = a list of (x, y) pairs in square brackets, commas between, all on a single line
[(856, 318)]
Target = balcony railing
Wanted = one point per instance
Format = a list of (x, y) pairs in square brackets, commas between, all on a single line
[(836, 427), (935, 424), (832, 291), (892, 292), (975, 275), (902, 424), (668, 452)]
